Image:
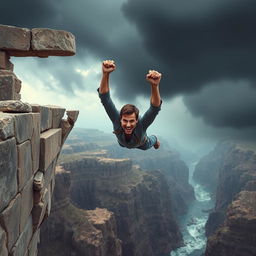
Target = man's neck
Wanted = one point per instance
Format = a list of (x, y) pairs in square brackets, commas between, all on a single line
[(128, 137)]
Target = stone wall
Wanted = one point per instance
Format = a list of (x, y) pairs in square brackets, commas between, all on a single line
[(31, 137)]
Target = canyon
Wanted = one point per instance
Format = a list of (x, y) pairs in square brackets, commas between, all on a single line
[(141, 201), (231, 224)]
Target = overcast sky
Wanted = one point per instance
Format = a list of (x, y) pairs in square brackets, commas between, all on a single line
[(206, 50)]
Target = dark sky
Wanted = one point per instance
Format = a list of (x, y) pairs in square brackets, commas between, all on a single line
[(205, 49)]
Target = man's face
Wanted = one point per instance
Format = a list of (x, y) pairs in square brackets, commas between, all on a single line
[(128, 123)]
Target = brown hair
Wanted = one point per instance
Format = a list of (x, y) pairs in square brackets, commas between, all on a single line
[(129, 109)]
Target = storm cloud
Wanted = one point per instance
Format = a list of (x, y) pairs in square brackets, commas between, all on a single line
[(196, 44), (225, 104)]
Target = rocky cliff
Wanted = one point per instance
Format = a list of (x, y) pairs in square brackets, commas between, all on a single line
[(140, 201), (207, 170), (31, 137), (237, 236), (231, 223), (73, 231), (168, 162)]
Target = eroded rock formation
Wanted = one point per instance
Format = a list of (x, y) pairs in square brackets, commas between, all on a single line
[(237, 236), (168, 162), (231, 226), (140, 201), (207, 170), (73, 231)]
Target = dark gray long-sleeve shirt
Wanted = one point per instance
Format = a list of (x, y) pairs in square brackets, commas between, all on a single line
[(139, 134)]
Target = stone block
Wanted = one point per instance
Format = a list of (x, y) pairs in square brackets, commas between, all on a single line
[(3, 241), (23, 124), (72, 116), (9, 85), (38, 181), (15, 106), (24, 163), (5, 61), (35, 141), (27, 203), (50, 145), (57, 114), (6, 126), (21, 246), (46, 116), (66, 128), (18, 96), (14, 38), (36, 108), (32, 249), (8, 171), (49, 42), (18, 86), (9, 220), (50, 173), (39, 210)]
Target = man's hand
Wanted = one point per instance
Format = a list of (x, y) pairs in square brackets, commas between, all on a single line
[(108, 66), (153, 77)]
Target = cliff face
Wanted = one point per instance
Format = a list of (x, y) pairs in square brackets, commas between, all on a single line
[(140, 201), (234, 212), (31, 137), (176, 173), (237, 236), (207, 170), (236, 173), (73, 231), (168, 162)]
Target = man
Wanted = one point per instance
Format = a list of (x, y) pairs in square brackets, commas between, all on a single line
[(129, 128)]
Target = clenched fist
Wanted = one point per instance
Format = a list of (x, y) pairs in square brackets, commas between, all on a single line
[(108, 66), (153, 77)]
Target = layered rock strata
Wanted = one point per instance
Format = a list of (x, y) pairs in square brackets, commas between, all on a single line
[(89, 141), (236, 173), (140, 201), (30, 142), (207, 170), (170, 164), (230, 226), (73, 231), (237, 236)]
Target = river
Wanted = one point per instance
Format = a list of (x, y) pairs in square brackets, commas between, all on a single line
[(192, 224)]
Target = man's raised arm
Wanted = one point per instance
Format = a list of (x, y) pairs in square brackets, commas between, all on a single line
[(153, 77), (108, 66)]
